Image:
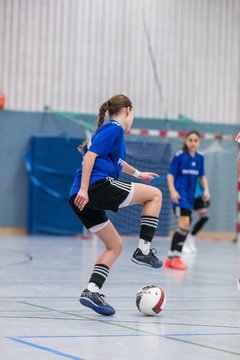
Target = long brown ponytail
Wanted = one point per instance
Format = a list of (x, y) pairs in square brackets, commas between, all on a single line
[(114, 105)]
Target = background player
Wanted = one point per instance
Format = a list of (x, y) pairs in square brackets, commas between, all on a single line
[(96, 189), (186, 166)]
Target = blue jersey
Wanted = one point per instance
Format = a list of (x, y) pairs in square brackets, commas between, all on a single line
[(108, 143), (186, 169)]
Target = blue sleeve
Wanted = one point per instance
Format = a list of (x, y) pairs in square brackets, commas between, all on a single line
[(174, 166), (104, 140), (201, 170)]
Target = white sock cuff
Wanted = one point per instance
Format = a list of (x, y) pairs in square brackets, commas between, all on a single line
[(144, 246), (93, 287)]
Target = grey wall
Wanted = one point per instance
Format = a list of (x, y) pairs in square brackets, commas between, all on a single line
[(171, 57)]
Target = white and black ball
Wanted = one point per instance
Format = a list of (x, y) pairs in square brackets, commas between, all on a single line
[(150, 300)]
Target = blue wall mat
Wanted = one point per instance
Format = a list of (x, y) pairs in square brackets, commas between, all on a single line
[(51, 165)]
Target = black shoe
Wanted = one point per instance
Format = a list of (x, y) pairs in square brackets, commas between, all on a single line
[(148, 260), (96, 301)]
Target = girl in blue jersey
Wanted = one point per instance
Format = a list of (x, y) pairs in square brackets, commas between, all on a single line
[(201, 208), (96, 188), (186, 167)]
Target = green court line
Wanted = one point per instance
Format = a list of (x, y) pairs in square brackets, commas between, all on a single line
[(133, 329)]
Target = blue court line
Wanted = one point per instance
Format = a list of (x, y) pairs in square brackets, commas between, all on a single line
[(133, 329), (56, 352), (68, 356)]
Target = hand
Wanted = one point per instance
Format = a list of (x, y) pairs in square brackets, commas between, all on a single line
[(175, 197), (81, 199), (147, 176), (206, 195)]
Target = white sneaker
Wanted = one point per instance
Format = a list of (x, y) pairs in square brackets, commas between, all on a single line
[(189, 246), (192, 242), (186, 248)]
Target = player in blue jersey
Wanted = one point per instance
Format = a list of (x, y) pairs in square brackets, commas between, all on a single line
[(96, 188), (186, 167), (201, 208)]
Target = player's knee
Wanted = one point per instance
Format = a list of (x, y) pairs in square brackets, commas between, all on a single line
[(184, 224), (117, 247), (203, 212), (157, 196)]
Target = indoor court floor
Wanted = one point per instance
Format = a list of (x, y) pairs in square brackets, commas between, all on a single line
[(41, 318)]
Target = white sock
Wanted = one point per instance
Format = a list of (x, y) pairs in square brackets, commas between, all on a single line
[(93, 287), (144, 246), (171, 254)]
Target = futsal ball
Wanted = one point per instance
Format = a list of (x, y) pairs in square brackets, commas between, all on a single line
[(150, 300)]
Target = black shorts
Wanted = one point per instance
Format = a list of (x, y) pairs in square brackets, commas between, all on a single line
[(178, 211), (199, 203), (105, 194)]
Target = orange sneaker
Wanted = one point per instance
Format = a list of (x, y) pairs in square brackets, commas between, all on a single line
[(175, 263), (167, 263)]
